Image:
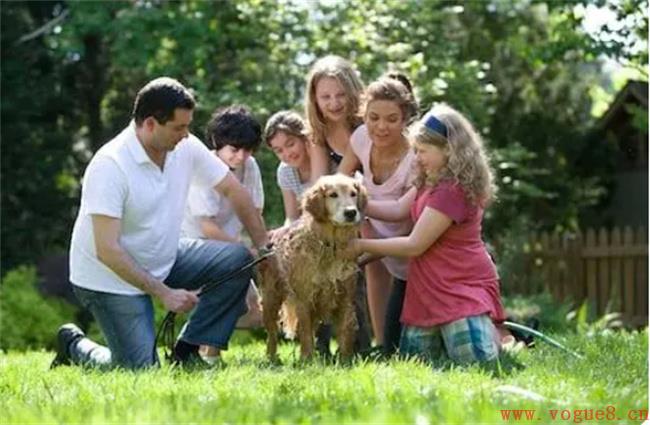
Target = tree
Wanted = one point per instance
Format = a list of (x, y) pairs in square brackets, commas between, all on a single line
[(38, 175), (520, 70)]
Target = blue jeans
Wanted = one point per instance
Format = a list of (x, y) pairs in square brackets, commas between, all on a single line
[(127, 321)]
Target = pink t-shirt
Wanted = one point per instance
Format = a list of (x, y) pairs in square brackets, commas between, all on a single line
[(390, 190), (455, 277)]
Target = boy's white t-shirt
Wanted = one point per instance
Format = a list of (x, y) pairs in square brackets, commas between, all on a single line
[(205, 202)]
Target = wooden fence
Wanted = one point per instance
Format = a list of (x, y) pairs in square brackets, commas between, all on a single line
[(608, 268)]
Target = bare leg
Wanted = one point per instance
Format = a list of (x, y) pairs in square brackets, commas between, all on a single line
[(379, 283), (253, 317), (209, 351)]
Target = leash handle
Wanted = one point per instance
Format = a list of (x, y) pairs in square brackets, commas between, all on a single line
[(167, 332)]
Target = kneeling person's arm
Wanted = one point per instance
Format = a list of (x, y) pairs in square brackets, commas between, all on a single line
[(106, 231)]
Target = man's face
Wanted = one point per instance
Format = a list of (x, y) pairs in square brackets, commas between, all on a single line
[(167, 136)]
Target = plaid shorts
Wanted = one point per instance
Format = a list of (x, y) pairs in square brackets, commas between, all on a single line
[(470, 339)]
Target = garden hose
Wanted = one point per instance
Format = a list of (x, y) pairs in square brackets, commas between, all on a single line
[(538, 334)]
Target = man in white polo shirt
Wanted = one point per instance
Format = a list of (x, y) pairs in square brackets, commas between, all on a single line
[(126, 244)]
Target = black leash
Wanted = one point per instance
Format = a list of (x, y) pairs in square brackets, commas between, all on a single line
[(167, 329)]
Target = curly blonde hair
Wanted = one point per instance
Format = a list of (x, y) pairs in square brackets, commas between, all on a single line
[(467, 161), (342, 71)]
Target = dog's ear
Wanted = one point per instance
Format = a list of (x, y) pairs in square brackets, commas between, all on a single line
[(362, 196), (314, 203)]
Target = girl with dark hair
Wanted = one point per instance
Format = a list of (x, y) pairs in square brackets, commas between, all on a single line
[(381, 149)]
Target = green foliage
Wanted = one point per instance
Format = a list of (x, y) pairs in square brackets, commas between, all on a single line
[(29, 321), (38, 167), (582, 321), (522, 71), (639, 118), (273, 206), (511, 251), (552, 317), (250, 390)]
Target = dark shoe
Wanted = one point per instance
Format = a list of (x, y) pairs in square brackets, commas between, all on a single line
[(67, 334), (525, 337), (193, 362), (532, 323), (250, 320), (323, 350), (376, 354), (188, 359), (323, 337)]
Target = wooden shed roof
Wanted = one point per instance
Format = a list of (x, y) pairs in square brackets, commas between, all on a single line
[(634, 92)]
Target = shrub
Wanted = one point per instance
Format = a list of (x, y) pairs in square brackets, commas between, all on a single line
[(551, 314), (512, 253), (27, 319)]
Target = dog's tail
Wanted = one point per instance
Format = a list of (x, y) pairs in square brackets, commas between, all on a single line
[(289, 320)]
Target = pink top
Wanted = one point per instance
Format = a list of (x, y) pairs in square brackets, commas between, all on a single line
[(454, 277), (392, 189)]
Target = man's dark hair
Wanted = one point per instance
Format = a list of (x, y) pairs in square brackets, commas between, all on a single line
[(235, 126), (159, 98)]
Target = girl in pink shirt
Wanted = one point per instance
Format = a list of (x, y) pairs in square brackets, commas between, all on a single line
[(452, 292)]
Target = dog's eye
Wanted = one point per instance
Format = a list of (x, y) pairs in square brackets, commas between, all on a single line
[(333, 195), (353, 194)]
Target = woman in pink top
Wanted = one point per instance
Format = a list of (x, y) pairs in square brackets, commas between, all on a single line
[(380, 149), (452, 296)]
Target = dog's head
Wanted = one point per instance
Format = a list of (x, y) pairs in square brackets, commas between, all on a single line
[(337, 199)]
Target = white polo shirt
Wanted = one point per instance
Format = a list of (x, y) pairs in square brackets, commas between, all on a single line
[(121, 181)]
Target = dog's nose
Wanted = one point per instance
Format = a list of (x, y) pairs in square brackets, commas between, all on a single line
[(350, 213)]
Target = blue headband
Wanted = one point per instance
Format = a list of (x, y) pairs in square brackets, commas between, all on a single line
[(434, 124)]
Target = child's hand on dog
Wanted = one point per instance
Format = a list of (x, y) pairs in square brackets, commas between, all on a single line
[(353, 250)]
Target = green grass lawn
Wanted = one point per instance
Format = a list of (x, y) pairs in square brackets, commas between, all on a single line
[(613, 373)]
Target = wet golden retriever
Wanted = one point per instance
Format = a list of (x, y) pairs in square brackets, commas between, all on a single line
[(311, 274)]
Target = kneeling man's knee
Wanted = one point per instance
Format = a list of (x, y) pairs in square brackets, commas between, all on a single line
[(242, 254)]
